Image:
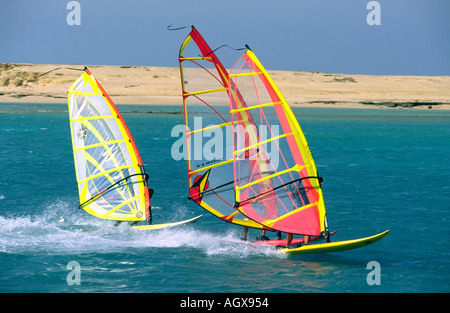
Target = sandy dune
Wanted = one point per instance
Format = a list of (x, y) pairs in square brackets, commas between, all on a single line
[(161, 85)]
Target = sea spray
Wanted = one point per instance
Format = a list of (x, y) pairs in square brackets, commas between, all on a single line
[(62, 229)]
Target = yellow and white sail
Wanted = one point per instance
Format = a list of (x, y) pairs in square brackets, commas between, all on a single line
[(112, 183)]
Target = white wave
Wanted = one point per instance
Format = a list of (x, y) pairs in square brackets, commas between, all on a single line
[(62, 229)]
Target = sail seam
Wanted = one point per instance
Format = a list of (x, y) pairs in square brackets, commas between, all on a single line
[(263, 142), (272, 222), (105, 173), (211, 166), (186, 94), (86, 118), (100, 144), (85, 93), (245, 74), (296, 167), (255, 107), (208, 128), (123, 204)]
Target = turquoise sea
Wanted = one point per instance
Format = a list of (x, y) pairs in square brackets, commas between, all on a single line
[(382, 168)]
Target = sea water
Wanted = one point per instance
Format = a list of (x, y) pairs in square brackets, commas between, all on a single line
[(382, 168)]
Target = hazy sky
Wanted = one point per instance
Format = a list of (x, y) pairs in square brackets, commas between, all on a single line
[(306, 35)]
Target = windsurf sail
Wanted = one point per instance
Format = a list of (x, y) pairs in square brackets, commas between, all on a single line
[(208, 130), (275, 178), (112, 183)]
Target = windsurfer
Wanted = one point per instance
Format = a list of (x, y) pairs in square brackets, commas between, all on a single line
[(306, 239), (296, 191), (289, 237), (263, 234), (244, 236)]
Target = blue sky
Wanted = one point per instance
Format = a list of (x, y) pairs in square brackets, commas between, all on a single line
[(304, 35)]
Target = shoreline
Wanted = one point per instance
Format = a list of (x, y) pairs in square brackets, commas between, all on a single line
[(150, 85)]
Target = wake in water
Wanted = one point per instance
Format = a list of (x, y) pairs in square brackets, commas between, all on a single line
[(54, 231)]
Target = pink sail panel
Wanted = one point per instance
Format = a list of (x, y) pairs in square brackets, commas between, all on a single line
[(276, 180)]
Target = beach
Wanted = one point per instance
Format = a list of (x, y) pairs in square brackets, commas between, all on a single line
[(49, 83)]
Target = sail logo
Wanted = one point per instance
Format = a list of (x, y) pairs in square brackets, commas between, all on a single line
[(82, 133), (217, 143)]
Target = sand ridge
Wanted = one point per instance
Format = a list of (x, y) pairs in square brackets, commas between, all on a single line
[(49, 83)]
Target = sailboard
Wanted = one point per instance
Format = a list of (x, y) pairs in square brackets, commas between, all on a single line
[(336, 246), (205, 84), (167, 225), (112, 182)]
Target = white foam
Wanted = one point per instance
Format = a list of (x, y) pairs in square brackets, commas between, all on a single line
[(62, 229)]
